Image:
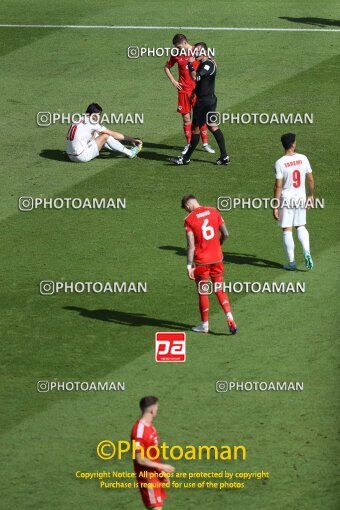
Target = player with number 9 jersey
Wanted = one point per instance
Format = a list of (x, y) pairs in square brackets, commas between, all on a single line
[(292, 169), (291, 173)]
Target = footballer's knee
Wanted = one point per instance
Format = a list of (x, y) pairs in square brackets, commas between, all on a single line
[(186, 118)]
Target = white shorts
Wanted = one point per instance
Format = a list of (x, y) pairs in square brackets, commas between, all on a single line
[(90, 152), (292, 217)]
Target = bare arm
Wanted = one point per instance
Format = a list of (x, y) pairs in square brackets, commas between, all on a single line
[(277, 195), (193, 74), (142, 461), (224, 233), (190, 254), (310, 184), (174, 82)]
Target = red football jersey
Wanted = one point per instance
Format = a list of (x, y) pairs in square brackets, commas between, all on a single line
[(144, 436), (205, 224), (184, 77)]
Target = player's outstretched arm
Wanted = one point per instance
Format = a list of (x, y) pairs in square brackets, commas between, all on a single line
[(277, 196), (224, 233), (121, 137)]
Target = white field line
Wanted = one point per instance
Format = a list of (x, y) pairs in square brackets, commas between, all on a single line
[(136, 27)]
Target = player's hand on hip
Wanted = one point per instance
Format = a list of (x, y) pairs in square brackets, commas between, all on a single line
[(276, 213), (191, 273), (177, 85)]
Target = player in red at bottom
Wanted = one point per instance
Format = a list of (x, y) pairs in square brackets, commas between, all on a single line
[(151, 474), (206, 232)]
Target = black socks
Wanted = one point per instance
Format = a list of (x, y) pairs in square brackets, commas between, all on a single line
[(221, 143), (195, 138)]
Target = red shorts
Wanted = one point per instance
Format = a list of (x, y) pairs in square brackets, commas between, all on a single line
[(185, 102), (209, 272), (153, 498)]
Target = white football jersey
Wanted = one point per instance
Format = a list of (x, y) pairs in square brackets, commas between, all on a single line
[(80, 133), (292, 170)]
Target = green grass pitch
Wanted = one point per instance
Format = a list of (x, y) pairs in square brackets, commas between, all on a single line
[(45, 438)]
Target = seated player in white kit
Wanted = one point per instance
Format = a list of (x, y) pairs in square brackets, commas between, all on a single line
[(291, 172), (85, 138)]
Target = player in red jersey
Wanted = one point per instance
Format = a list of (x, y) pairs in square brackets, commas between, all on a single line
[(206, 232), (145, 435), (185, 87)]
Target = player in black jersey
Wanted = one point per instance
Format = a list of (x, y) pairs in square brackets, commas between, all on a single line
[(205, 108)]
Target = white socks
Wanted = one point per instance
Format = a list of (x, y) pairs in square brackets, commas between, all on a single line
[(303, 236), (117, 146), (288, 242)]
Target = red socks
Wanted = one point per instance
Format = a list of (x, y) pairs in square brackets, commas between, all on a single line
[(203, 301), (224, 301), (222, 296), (204, 307), (204, 133), (187, 132), (204, 304)]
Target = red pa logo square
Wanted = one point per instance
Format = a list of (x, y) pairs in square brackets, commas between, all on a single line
[(170, 347)]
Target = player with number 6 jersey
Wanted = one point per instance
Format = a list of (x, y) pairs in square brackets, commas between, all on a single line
[(206, 232)]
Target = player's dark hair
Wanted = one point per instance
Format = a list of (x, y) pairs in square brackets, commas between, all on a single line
[(186, 199), (94, 108), (203, 44), (178, 39), (146, 402), (287, 140)]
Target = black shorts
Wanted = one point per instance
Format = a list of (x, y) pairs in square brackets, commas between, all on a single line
[(204, 111)]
